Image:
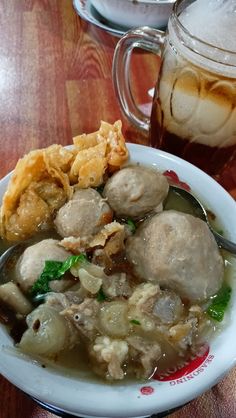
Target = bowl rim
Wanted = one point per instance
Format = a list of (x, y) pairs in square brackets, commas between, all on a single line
[(139, 2), (122, 400)]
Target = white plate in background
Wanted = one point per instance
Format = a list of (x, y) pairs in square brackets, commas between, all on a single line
[(87, 12)]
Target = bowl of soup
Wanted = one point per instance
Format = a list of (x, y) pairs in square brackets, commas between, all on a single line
[(119, 303)]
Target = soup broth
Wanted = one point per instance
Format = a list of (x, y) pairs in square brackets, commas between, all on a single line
[(76, 361)]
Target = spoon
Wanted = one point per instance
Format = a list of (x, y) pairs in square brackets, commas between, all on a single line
[(15, 250), (201, 213)]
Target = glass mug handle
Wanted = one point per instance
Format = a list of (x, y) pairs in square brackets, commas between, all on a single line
[(145, 38)]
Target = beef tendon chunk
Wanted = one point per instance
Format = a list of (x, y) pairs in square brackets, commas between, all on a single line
[(48, 332), (12, 296), (168, 307), (113, 319), (135, 191), (177, 251)]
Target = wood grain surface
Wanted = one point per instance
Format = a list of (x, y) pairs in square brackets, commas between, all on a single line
[(55, 82)]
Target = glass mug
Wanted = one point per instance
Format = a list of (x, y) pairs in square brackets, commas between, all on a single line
[(194, 106)]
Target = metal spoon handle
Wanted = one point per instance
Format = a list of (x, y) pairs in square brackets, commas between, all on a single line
[(201, 213), (224, 243), (4, 257), (15, 249)]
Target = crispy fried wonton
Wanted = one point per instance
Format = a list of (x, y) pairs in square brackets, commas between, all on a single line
[(44, 179), (99, 152)]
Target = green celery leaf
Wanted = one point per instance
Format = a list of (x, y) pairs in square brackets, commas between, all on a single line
[(219, 304), (131, 225), (135, 322), (54, 270), (101, 297), (72, 261)]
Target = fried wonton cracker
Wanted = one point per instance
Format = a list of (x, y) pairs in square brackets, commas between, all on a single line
[(107, 149), (44, 179), (24, 207), (89, 166)]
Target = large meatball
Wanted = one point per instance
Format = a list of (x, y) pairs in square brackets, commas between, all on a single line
[(178, 252), (32, 261), (84, 215), (135, 191)]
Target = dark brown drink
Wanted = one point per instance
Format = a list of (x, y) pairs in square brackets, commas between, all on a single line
[(194, 113), (213, 160)]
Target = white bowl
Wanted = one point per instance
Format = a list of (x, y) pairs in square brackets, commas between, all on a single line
[(93, 399), (133, 13)]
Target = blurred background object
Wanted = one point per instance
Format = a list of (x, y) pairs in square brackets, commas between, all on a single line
[(118, 16)]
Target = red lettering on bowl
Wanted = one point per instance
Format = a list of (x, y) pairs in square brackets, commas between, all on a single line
[(146, 390), (183, 371)]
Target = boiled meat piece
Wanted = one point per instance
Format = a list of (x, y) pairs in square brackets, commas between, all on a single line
[(145, 355)]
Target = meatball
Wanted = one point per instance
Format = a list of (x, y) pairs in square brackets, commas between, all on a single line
[(178, 252), (135, 191), (32, 261), (84, 215)]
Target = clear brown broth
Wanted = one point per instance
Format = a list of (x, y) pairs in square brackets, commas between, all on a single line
[(75, 362)]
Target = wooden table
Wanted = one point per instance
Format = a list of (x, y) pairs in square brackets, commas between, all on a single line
[(55, 82)]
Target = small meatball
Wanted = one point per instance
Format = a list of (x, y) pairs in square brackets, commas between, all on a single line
[(32, 261), (84, 215), (135, 191), (178, 252)]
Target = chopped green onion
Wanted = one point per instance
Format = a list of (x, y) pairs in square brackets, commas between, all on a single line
[(131, 225), (54, 270), (101, 297), (218, 306), (135, 322)]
